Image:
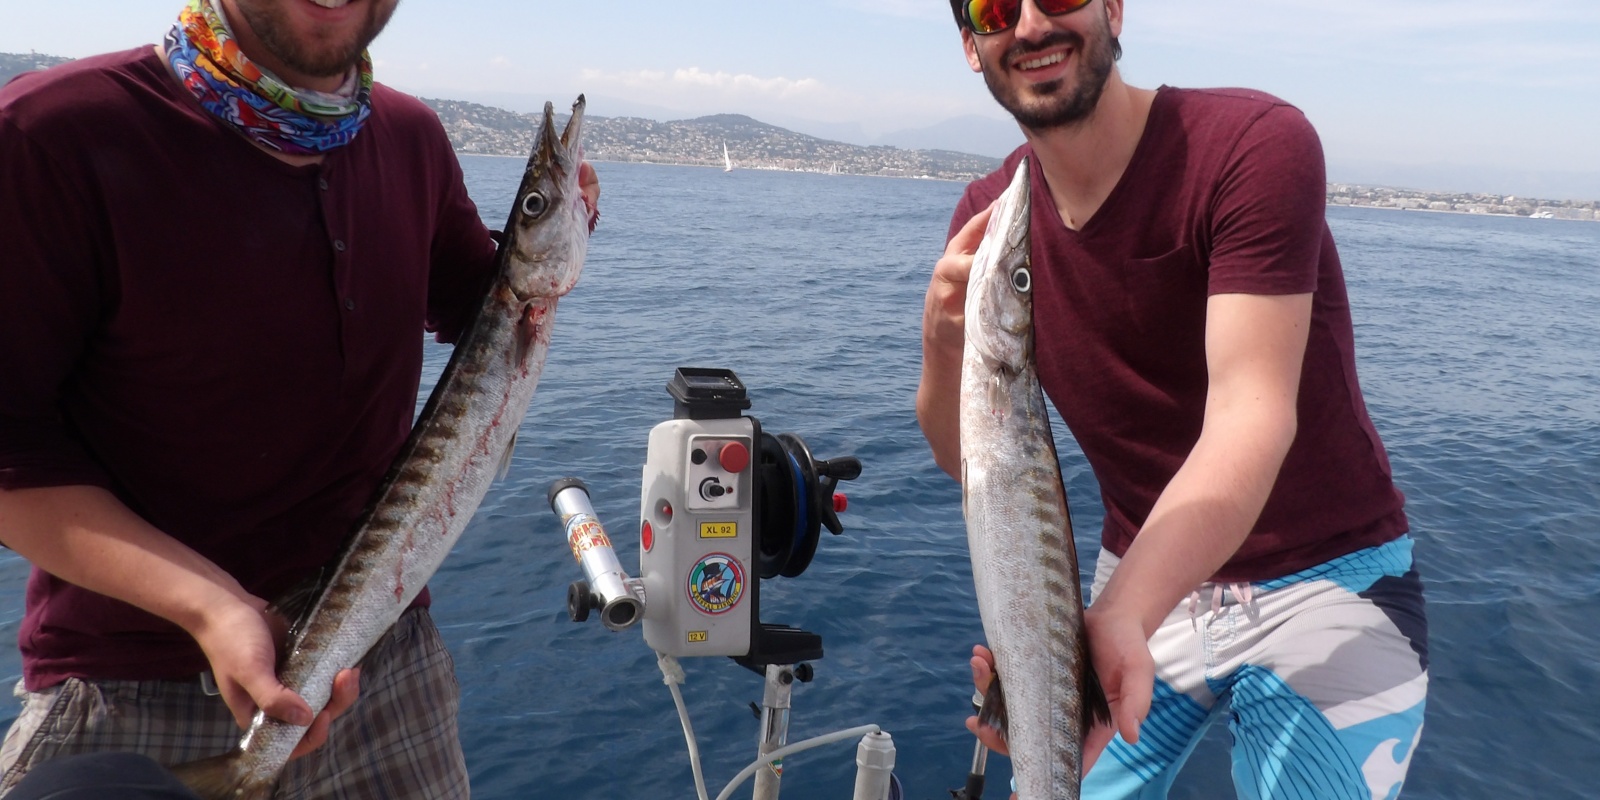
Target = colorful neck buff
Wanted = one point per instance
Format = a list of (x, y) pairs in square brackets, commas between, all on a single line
[(201, 50)]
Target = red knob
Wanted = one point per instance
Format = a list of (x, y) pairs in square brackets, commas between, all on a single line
[(840, 503), (734, 457)]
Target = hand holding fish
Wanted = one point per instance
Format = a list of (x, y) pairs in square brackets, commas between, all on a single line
[(1127, 674), (241, 642), (589, 186), (1120, 649), (943, 337)]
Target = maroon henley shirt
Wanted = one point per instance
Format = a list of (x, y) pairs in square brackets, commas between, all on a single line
[(230, 344)]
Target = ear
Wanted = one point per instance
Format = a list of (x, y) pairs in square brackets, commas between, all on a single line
[(969, 43), (1114, 17)]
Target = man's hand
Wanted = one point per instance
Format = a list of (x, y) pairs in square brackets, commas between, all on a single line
[(346, 687), (1127, 674), (1120, 651), (241, 641), (944, 311), (982, 674), (589, 184), (943, 337)]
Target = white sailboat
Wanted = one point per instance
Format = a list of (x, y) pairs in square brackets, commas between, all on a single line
[(727, 163)]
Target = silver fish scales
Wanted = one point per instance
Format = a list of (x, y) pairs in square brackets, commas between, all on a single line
[(462, 439), (1019, 533)]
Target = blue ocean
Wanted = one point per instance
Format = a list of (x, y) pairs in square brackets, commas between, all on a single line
[(1480, 359)]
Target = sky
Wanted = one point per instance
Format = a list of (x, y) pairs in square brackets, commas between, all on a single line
[(1487, 95)]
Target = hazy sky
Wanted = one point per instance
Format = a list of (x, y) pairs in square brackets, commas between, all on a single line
[(1483, 83)]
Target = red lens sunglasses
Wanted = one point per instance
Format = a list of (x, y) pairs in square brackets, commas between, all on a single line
[(993, 16)]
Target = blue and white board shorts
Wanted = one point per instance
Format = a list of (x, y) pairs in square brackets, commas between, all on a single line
[(1323, 675)]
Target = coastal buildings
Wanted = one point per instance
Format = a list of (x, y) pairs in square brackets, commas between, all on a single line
[(1340, 194)]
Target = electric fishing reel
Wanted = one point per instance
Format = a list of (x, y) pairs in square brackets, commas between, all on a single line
[(723, 506), (797, 501)]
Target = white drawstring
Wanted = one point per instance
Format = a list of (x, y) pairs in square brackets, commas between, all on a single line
[(1243, 592)]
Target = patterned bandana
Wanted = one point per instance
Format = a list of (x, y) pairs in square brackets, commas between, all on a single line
[(203, 53)]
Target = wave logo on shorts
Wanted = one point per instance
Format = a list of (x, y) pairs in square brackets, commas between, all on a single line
[(716, 584)]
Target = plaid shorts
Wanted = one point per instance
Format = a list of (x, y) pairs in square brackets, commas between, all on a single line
[(398, 741)]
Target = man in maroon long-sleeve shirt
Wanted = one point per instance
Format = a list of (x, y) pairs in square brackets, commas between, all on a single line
[(209, 355)]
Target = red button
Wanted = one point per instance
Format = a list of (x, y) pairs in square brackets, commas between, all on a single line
[(647, 536), (840, 503), (734, 457)]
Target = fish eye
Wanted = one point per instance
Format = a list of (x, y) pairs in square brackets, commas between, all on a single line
[(534, 204), (1022, 279)]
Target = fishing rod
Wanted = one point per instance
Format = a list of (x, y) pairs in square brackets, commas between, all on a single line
[(973, 790), (724, 506)]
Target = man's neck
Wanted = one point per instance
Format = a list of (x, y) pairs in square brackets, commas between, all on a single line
[(1083, 162), (287, 158), (254, 49)]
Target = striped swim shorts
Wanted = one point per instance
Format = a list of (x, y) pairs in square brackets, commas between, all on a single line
[(1322, 676)]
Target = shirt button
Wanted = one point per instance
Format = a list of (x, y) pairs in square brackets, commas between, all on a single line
[(322, 183), (349, 305), (338, 244)]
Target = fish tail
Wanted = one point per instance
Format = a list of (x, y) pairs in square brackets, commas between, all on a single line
[(1096, 710), (993, 712), (221, 778)]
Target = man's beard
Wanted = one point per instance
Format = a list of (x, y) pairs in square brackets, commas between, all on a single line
[(317, 58), (1053, 104)]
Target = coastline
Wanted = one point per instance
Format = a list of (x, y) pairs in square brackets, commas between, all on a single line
[(1461, 213)]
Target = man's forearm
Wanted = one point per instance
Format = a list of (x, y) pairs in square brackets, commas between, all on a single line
[(85, 536), (1201, 518), (939, 406)]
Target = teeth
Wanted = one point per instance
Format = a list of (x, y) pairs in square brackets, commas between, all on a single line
[(332, 3), (1043, 62)]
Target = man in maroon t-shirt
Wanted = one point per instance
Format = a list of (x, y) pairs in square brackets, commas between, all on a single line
[(1193, 331)]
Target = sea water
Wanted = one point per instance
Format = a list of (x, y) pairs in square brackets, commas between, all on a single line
[(1479, 355)]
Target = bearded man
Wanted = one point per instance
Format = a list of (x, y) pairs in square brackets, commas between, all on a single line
[(219, 253), (1193, 331)]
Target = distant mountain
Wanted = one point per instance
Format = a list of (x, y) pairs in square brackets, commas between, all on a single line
[(968, 134), (14, 64), (943, 150), (752, 144)]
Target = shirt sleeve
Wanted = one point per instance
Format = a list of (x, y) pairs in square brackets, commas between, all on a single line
[(1269, 213), (462, 261), (51, 296)]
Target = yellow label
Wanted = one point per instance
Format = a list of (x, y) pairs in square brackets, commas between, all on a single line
[(697, 636), (719, 530)]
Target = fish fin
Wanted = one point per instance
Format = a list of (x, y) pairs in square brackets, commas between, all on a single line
[(219, 778), (527, 331), (993, 713), (1096, 709), (505, 458), (295, 604)]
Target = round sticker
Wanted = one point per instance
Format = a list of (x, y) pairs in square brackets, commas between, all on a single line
[(716, 583)]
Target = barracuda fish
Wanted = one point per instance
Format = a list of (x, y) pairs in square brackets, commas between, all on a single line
[(459, 443), (1024, 564)]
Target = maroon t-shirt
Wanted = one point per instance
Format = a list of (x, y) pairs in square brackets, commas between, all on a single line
[(230, 344), (1225, 194)]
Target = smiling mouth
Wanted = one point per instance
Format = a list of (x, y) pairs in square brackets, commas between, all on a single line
[(332, 3), (1042, 61)]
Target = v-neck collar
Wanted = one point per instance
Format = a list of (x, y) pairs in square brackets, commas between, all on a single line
[(1107, 206)]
